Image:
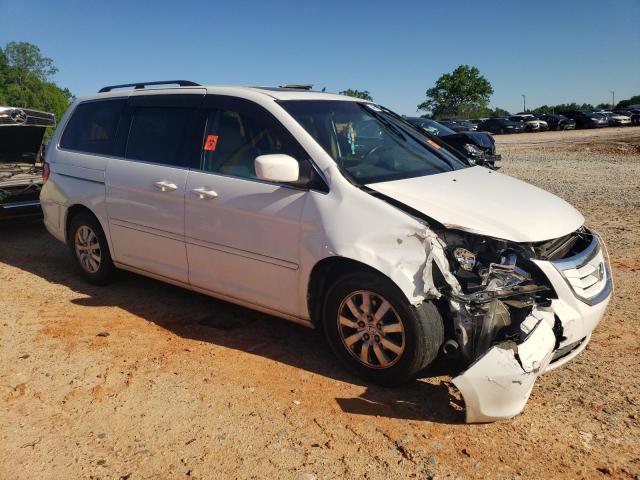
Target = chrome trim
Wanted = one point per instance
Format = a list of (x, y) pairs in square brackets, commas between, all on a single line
[(604, 293), (580, 260), (20, 204)]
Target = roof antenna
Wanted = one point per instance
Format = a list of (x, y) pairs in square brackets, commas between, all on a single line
[(323, 89)]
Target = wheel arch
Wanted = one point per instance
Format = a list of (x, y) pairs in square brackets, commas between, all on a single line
[(322, 275), (74, 210)]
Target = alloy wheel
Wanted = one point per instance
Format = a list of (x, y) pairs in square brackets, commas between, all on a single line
[(87, 248), (371, 329)]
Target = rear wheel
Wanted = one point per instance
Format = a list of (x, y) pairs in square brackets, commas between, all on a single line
[(375, 332), (89, 249)]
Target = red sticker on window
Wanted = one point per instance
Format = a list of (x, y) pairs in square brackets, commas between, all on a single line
[(210, 143)]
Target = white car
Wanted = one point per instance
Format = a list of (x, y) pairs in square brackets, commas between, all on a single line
[(616, 119), (531, 122), (330, 211)]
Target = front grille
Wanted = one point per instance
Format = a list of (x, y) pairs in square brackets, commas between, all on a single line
[(587, 273)]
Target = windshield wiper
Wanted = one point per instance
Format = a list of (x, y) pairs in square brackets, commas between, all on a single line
[(387, 124)]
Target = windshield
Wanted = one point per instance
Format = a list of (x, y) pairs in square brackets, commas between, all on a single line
[(431, 126), (371, 144)]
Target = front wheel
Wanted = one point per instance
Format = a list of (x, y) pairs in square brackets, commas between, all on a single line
[(376, 332)]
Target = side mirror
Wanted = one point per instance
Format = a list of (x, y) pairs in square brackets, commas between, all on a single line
[(277, 167)]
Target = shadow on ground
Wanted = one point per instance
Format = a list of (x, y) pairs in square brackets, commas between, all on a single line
[(25, 245)]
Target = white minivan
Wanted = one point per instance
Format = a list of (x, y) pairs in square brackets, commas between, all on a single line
[(331, 212)]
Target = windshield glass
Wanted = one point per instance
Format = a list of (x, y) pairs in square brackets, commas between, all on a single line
[(371, 144)]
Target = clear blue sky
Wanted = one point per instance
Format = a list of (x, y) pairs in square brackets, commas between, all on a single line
[(553, 51)]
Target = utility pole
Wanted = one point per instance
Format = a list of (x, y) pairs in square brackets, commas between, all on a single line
[(613, 99), (524, 103)]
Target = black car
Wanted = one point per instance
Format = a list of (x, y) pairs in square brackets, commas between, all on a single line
[(459, 125), (558, 122), (21, 167), (586, 119), (501, 125), (479, 147)]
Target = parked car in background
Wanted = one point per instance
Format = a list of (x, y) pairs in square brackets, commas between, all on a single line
[(616, 119), (531, 123), (21, 170), (459, 125), (479, 147), (586, 119), (501, 125), (634, 115), (557, 122)]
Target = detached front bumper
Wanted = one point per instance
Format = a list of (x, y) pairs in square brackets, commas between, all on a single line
[(498, 384)]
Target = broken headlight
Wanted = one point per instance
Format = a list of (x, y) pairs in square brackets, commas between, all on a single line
[(465, 258), (471, 149), (483, 263), (499, 287)]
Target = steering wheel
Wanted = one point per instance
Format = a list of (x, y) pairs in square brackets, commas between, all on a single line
[(375, 149)]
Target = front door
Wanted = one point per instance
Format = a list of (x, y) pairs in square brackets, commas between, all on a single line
[(243, 234)]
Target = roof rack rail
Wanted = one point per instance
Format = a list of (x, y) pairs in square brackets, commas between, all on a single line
[(298, 86), (141, 85)]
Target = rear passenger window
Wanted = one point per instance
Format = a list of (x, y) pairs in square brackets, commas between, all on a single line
[(92, 127), (157, 135)]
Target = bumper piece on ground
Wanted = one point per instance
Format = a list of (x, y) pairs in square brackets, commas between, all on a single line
[(497, 386)]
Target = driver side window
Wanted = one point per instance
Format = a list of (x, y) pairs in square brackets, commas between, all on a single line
[(235, 136)]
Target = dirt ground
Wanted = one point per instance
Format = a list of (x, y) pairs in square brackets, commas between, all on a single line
[(145, 380)]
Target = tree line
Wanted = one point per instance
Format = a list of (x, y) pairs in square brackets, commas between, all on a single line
[(25, 80), (465, 93)]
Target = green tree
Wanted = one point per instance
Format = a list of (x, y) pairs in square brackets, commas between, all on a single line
[(463, 93), (363, 94), (27, 58), (25, 80), (635, 100)]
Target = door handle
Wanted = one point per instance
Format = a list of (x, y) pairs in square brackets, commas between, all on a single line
[(204, 193), (165, 186)]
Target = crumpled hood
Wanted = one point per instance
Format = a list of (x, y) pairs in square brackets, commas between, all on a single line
[(486, 202)]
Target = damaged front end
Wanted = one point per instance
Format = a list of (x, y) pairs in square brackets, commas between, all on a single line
[(502, 323)]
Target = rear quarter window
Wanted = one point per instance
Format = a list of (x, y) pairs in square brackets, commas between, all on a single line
[(92, 127)]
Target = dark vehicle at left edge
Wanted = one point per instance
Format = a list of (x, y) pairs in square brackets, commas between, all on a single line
[(479, 147), (21, 165)]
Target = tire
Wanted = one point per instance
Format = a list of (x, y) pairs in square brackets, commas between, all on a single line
[(420, 340), (87, 241)]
